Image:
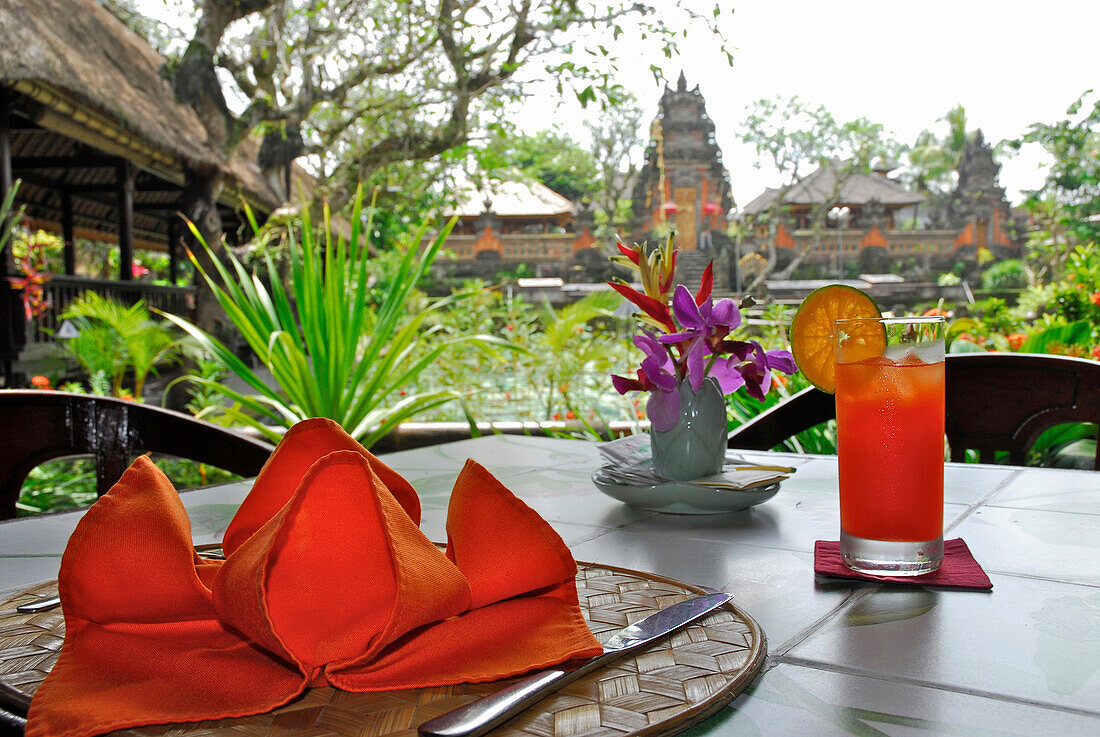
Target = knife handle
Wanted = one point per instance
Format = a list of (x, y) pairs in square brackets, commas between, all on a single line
[(478, 717)]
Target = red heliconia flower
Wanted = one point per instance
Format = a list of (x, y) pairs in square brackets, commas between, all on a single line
[(706, 284), (666, 283), (630, 253), (652, 308)]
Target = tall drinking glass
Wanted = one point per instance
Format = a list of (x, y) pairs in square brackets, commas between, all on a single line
[(890, 443)]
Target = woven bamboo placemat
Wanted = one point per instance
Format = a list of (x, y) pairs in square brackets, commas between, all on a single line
[(656, 692)]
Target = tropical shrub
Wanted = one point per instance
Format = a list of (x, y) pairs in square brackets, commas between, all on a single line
[(116, 341), (331, 352), (1008, 274)]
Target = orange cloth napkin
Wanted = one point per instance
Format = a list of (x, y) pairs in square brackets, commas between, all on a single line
[(327, 581)]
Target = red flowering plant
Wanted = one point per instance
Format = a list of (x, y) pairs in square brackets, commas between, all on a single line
[(34, 265), (30, 255), (687, 337), (31, 281)]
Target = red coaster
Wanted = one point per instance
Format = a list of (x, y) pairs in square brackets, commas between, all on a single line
[(959, 570)]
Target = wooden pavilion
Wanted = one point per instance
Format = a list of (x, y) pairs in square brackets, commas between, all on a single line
[(92, 128)]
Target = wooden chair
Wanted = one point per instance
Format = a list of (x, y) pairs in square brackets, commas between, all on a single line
[(38, 426), (995, 402)]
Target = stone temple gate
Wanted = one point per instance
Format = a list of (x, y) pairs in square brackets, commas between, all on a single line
[(684, 185)]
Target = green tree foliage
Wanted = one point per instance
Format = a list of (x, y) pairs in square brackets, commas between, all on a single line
[(364, 83), (617, 149), (1067, 207), (934, 159), (549, 157), (596, 177)]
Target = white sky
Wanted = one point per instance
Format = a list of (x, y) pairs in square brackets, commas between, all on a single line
[(897, 62), (900, 63)]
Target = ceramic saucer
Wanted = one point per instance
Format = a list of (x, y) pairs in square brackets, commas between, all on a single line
[(682, 497)]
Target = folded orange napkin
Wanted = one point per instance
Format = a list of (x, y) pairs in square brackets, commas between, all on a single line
[(327, 581)]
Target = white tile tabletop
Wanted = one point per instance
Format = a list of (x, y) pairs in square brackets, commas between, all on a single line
[(845, 657)]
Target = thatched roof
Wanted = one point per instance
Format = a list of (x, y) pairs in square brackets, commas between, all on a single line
[(821, 186), (83, 51), (80, 62)]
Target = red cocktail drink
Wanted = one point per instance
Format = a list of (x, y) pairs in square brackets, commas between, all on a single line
[(890, 431)]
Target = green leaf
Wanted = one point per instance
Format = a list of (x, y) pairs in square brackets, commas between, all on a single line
[(965, 346), (1074, 334)]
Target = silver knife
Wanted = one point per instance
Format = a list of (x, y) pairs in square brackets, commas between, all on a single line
[(39, 605), (478, 717)]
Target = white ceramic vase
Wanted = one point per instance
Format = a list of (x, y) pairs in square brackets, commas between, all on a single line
[(696, 445)]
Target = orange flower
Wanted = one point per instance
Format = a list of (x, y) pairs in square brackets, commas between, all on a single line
[(935, 312), (1095, 297), (40, 382), (778, 380), (570, 415), (1096, 352), (1016, 340)]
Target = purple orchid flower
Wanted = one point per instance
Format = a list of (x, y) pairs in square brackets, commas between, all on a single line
[(663, 405), (657, 375), (657, 364), (701, 348), (663, 409), (757, 371), (706, 325)]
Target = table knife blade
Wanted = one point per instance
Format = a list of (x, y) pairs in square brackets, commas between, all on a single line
[(480, 716)]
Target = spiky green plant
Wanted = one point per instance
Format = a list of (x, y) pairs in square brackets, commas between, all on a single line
[(9, 214), (331, 353)]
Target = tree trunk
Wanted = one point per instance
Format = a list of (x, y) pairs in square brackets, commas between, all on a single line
[(200, 206), (196, 84)]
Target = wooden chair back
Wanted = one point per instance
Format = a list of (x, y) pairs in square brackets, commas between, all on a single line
[(38, 426), (994, 402)]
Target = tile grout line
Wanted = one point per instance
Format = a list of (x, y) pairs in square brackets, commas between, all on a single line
[(983, 501), (1046, 579), (902, 680), (1045, 511), (802, 635)]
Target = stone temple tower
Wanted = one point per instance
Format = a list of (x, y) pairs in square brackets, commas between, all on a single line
[(683, 184), (978, 206)]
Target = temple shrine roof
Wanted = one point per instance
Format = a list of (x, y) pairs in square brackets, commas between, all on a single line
[(821, 186), (514, 198)]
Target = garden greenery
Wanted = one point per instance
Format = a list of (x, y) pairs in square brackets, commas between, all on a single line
[(117, 340), (330, 351)]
